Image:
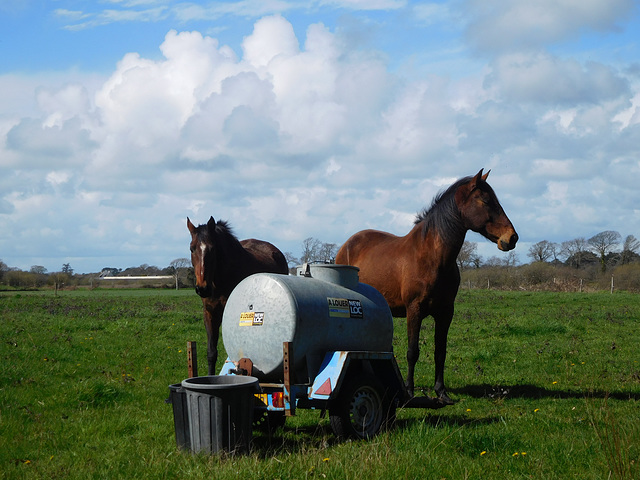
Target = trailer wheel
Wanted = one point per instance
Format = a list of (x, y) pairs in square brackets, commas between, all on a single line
[(361, 409)]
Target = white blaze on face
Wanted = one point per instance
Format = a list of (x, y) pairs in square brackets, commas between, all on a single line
[(203, 250)]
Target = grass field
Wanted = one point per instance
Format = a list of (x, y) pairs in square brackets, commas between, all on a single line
[(547, 385)]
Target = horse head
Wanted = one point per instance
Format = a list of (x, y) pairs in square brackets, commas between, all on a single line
[(203, 255), (482, 212)]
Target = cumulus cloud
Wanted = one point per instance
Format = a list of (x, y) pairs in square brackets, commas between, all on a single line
[(543, 78), (301, 135), (507, 26)]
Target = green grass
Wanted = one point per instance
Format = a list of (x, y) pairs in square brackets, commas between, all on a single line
[(547, 386)]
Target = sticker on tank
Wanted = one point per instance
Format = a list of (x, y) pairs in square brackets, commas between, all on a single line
[(251, 319), (344, 308)]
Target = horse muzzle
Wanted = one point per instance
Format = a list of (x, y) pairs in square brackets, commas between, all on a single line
[(204, 292), (508, 242)]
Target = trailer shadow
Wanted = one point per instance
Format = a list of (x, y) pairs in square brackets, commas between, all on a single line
[(291, 440), (301, 438), (536, 392)]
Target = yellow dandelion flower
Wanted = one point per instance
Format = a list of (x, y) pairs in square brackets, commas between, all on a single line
[(536, 410), (325, 459), (554, 382), (484, 452), (468, 409), (523, 453)]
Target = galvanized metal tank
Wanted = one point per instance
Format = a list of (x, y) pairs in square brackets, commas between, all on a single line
[(323, 308)]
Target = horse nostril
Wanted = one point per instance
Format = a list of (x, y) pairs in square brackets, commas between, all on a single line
[(514, 239)]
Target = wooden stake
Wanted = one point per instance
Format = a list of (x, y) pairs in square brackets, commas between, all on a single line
[(192, 359)]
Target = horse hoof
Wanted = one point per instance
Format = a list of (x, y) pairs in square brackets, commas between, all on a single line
[(445, 400)]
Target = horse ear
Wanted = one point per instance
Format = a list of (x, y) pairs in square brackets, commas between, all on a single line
[(211, 223), (474, 181), (484, 177), (190, 226)]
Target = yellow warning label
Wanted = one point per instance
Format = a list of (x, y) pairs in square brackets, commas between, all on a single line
[(251, 319), (246, 319)]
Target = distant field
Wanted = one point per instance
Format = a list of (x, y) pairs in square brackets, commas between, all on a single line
[(547, 386)]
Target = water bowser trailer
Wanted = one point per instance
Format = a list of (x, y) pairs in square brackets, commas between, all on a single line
[(318, 340)]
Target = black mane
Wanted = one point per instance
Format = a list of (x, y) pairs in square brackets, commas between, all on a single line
[(223, 228), (443, 215)]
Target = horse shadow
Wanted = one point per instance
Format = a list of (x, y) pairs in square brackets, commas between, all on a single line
[(320, 435), (535, 392)]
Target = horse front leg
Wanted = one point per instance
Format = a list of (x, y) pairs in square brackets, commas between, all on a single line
[(414, 321), (442, 323), (212, 321)]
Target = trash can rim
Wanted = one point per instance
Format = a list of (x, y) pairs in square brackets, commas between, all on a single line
[(219, 382)]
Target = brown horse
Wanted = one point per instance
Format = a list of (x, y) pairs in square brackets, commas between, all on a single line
[(220, 262), (418, 274)]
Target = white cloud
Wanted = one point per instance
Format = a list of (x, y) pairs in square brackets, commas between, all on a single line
[(366, 4), (542, 78), (505, 25), (301, 137)]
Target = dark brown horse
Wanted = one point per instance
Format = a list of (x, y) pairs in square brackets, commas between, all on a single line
[(220, 262), (418, 274)]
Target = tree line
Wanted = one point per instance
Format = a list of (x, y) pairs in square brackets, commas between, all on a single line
[(605, 249), (566, 265)]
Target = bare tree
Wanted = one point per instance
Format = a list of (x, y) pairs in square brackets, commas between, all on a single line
[(310, 250), (291, 260), (179, 267), (630, 249), (511, 260), (3, 268), (313, 250), (327, 252), (602, 244), (541, 251), (574, 250), (468, 255)]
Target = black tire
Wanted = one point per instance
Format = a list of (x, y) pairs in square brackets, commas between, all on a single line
[(362, 409)]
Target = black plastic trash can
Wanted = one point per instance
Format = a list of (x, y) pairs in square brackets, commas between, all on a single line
[(220, 409), (178, 399)]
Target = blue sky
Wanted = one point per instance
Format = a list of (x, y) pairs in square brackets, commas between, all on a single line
[(291, 119)]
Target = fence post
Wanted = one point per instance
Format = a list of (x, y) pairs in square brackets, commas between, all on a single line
[(192, 359)]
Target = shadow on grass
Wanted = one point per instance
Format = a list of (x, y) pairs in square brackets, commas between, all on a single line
[(291, 440), (536, 392), (438, 420), (300, 439)]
